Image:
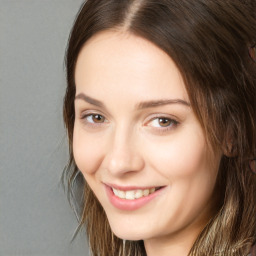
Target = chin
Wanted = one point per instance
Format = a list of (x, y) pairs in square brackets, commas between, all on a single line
[(127, 232), (128, 235)]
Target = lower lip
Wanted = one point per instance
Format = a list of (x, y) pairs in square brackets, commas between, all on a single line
[(129, 205)]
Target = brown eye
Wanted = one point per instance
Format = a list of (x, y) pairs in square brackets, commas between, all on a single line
[(164, 122), (94, 119), (98, 118)]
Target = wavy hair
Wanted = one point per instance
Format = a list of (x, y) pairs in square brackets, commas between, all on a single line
[(208, 40)]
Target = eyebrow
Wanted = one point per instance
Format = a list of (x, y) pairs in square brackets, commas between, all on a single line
[(156, 103), (90, 100), (141, 105)]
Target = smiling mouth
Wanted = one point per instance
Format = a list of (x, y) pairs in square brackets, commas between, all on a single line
[(134, 194)]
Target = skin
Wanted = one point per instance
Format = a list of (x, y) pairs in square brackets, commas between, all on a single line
[(128, 145)]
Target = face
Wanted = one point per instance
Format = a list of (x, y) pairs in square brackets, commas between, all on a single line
[(137, 141)]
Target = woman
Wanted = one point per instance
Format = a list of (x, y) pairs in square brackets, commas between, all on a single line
[(160, 113)]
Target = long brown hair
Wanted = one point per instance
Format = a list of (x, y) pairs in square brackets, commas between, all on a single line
[(208, 40)]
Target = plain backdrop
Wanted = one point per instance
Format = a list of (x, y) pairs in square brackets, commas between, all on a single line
[(35, 217)]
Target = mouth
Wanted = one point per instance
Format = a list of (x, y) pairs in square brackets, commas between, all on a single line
[(131, 198), (134, 194)]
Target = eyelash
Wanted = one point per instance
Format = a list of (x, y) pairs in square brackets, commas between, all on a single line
[(161, 129), (173, 123), (93, 124)]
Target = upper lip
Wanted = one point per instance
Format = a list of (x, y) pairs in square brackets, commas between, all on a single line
[(127, 188)]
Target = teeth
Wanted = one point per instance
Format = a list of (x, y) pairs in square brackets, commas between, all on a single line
[(133, 194), (152, 190), (130, 195), (138, 194), (115, 191), (121, 194), (146, 192)]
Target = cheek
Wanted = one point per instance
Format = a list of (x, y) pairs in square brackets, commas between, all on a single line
[(87, 151), (191, 178), (187, 167), (183, 156)]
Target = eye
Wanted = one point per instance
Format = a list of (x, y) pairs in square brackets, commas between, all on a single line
[(94, 118), (162, 122)]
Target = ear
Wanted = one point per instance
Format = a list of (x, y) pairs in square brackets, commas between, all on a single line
[(229, 145), (252, 52), (229, 149), (253, 165)]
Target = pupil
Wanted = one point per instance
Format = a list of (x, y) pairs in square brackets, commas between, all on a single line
[(98, 118), (164, 121)]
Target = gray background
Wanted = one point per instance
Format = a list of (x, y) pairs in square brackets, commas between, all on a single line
[(35, 217)]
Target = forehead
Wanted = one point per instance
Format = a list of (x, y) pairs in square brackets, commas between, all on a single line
[(124, 62)]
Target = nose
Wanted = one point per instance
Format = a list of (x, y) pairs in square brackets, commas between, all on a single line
[(124, 153)]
